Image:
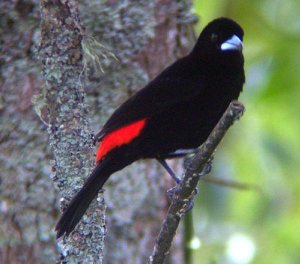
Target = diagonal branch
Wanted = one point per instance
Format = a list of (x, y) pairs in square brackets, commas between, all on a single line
[(186, 190)]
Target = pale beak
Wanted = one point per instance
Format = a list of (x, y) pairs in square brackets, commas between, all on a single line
[(234, 43)]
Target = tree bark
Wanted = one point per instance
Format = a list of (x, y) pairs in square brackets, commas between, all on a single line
[(28, 198), (70, 134), (145, 36)]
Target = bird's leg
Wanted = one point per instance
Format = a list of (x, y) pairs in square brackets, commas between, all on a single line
[(190, 203), (169, 170), (206, 170), (176, 154)]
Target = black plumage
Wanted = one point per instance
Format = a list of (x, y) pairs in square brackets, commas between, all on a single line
[(175, 111)]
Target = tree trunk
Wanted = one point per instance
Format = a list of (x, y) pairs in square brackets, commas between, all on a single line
[(145, 36)]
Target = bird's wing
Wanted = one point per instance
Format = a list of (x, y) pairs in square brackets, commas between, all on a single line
[(174, 85)]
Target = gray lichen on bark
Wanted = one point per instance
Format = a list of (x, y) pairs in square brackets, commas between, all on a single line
[(27, 196), (70, 137)]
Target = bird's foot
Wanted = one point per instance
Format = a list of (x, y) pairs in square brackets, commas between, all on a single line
[(189, 203), (171, 192), (207, 168)]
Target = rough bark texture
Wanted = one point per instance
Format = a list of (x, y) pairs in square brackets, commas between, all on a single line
[(70, 136), (145, 36), (28, 198)]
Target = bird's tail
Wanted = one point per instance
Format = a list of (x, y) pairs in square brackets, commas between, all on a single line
[(81, 201)]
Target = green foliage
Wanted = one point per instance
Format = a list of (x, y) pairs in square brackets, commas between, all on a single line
[(263, 148)]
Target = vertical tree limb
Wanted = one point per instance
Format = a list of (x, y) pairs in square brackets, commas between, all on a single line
[(70, 138), (185, 192)]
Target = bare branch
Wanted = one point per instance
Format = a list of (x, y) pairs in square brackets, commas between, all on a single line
[(238, 185), (186, 190)]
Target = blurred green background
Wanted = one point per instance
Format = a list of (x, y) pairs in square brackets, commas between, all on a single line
[(239, 227)]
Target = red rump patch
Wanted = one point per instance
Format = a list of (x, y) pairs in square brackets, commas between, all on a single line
[(119, 137)]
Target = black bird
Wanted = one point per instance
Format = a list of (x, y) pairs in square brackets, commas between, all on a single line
[(171, 115)]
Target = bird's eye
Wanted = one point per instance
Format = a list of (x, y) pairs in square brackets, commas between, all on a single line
[(214, 37)]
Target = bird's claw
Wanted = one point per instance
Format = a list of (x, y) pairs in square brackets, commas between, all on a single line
[(171, 192), (189, 202), (207, 168)]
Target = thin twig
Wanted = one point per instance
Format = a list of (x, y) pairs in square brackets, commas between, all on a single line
[(238, 185), (186, 190)]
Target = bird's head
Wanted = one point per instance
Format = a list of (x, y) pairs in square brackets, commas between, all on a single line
[(221, 38)]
